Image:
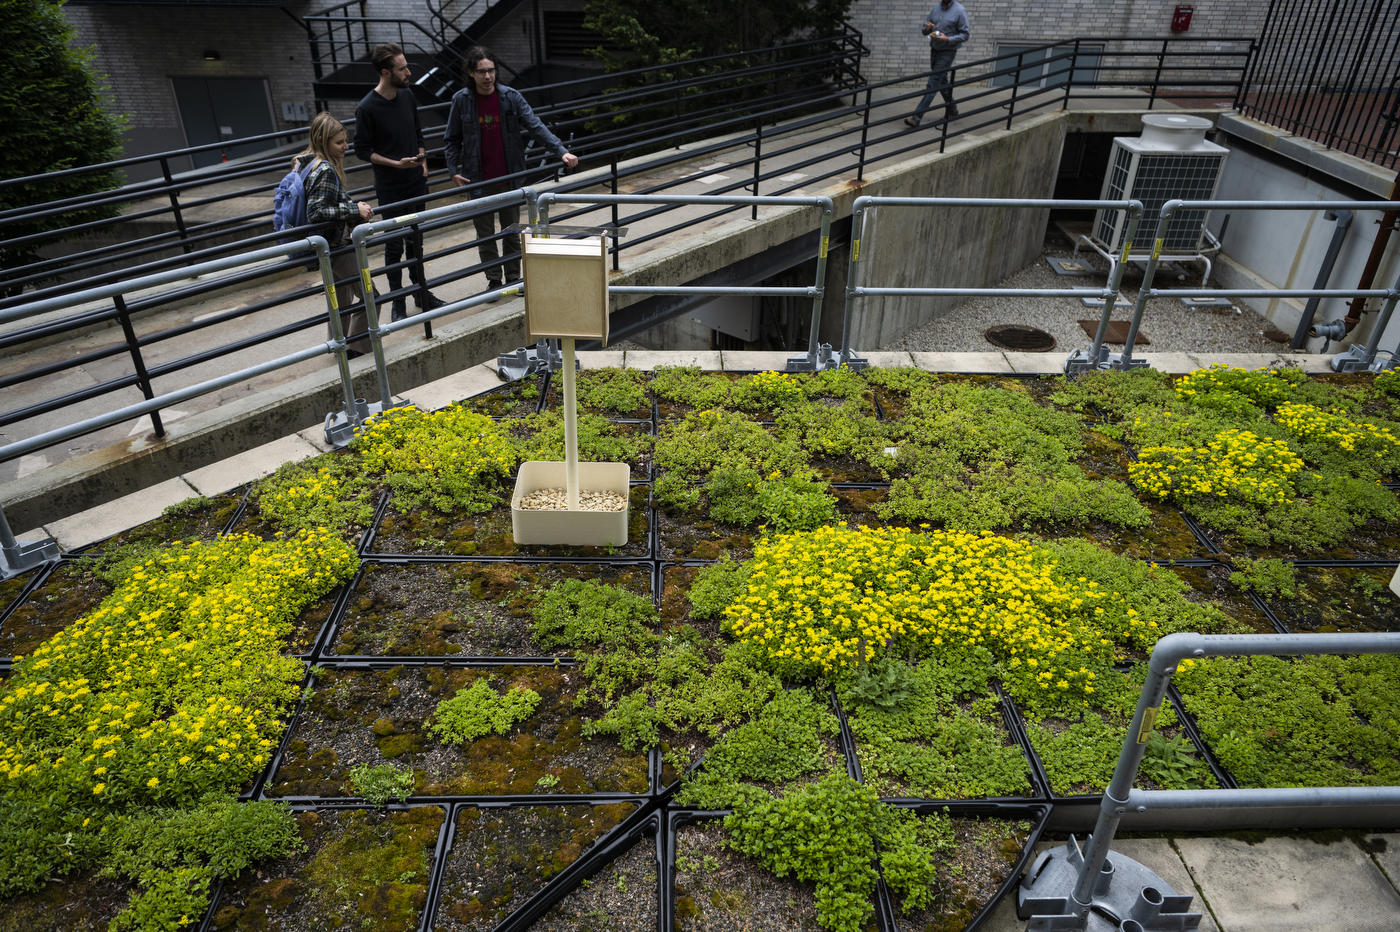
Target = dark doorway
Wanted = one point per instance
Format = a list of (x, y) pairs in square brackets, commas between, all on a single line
[(216, 109)]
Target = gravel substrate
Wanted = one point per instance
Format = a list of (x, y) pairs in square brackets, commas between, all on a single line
[(1167, 323)]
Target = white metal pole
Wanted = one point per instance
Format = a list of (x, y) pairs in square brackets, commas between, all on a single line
[(570, 426)]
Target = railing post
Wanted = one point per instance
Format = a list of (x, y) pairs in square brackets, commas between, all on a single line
[(1069, 80), (175, 204), (1157, 78), (757, 160), (1015, 86), (617, 240), (143, 379), (864, 135)]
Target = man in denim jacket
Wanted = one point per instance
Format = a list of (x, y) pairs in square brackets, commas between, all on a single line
[(947, 28), (483, 142)]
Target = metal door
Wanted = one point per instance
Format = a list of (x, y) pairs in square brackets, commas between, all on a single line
[(216, 109)]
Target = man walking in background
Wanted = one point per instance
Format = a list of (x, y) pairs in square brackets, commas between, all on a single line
[(483, 142), (946, 28), (389, 134)]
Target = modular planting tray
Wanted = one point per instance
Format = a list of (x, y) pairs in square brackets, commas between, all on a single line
[(546, 832)]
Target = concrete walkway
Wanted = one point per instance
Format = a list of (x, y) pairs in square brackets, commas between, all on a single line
[(1284, 883), (1277, 884)]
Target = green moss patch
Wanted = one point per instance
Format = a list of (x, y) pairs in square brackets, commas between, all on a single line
[(362, 717), (1331, 599), (975, 857), (515, 399), (71, 591), (79, 903), (478, 610), (361, 869), (502, 857)]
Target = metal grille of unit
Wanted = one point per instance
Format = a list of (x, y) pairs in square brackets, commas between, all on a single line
[(1110, 220), (1160, 178), (1155, 179)]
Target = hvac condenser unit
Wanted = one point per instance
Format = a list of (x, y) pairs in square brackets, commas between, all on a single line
[(1171, 159)]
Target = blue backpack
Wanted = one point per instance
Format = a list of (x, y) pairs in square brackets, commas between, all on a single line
[(289, 205)]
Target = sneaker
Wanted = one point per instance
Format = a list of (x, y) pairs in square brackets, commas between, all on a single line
[(400, 309), (950, 112), (433, 302), (911, 122), (493, 286)]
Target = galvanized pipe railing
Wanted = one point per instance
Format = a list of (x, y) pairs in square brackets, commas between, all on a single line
[(16, 556), (862, 215), (1166, 657), (818, 356), (1351, 361)]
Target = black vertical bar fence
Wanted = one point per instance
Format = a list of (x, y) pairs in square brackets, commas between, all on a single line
[(1326, 70)]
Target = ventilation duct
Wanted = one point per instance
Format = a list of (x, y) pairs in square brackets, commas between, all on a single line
[(1171, 159)]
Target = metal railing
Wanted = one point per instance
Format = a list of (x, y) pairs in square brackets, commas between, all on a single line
[(859, 127), (1066, 884), (16, 556), (1097, 356), (1330, 72)]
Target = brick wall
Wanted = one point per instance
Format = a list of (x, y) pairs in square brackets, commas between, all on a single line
[(891, 27)]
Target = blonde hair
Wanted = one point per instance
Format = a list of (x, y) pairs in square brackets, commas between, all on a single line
[(324, 129)]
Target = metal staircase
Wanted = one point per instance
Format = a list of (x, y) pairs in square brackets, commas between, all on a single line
[(343, 36)]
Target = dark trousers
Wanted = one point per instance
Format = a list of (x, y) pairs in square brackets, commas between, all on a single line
[(395, 249), (510, 243), (941, 63)]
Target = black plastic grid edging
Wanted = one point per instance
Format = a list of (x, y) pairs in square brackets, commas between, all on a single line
[(36, 579), (645, 820), (94, 549), (1095, 799), (1035, 812)]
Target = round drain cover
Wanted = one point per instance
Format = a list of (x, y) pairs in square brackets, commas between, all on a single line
[(1021, 338)]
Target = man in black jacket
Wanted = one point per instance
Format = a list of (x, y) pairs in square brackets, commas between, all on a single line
[(389, 134), (483, 142)]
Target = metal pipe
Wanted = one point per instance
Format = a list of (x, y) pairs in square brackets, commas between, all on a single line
[(65, 301), (864, 204), (1389, 221), (1289, 798), (1169, 652), (819, 289), (793, 292), (1175, 204), (39, 441), (1324, 272), (570, 426)]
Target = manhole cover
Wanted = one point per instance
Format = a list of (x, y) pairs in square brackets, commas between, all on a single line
[(1021, 338)]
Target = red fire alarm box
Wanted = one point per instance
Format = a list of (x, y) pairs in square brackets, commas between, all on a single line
[(1181, 19)]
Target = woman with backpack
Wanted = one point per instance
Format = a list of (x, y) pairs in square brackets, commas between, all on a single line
[(328, 202)]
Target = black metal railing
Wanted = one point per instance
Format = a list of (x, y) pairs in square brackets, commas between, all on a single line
[(1329, 71), (835, 130)]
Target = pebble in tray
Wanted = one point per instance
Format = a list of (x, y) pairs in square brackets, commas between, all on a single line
[(558, 500)]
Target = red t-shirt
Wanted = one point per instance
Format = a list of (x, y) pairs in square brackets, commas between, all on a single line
[(493, 150)]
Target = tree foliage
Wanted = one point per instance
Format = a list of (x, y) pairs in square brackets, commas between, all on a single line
[(54, 120), (657, 32)]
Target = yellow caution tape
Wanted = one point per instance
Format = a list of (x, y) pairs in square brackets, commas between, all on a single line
[(1127, 245), (855, 251), (825, 239), (364, 276), (1157, 249), (406, 218)]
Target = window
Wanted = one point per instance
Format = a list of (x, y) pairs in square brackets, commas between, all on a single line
[(1036, 72)]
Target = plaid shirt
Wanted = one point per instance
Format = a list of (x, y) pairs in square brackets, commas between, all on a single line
[(326, 199)]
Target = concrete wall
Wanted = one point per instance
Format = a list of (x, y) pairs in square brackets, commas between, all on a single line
[(1285, 249)]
